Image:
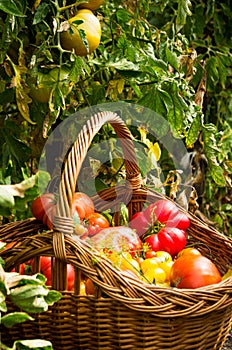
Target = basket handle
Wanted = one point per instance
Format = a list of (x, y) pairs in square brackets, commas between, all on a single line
[(76, 157)]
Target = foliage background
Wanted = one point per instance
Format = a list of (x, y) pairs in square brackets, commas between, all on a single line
[(173, 57)]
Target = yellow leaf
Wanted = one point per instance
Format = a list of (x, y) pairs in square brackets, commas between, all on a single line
[(120, 85), (227, 274), (36, 4), (22, 97), (155, 149)]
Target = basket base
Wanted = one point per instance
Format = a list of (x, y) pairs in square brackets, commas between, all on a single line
[(87, 323)]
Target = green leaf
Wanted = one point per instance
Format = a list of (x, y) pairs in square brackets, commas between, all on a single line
[(52, 297), (194, 131), (3, 307), (82, 34), (28, 291), (217, 175), (183, 11), (13, 318), (6, 198), (36, 344), (10, 7), (123, 16), (172, 58), (41, 13), (166, 99), (212, 73), (18, 149)]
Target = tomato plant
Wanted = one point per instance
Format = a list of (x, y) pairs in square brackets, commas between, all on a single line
[(71, 39), (41, 85), (194, 271)]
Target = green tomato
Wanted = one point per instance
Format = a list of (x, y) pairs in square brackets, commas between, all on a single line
[(41, 88)]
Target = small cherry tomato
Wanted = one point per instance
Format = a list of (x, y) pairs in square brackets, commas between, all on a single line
[(150, 254)]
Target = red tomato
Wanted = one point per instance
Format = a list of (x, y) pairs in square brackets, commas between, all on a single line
[(46, 270), (153, 242), (70, 277), (172, 239), (49, 217), (44, 207), (178, 220), (193, 271), (95, 222), (139, 223), (150, 254), (83, 205), (41, 205), (161, 210)]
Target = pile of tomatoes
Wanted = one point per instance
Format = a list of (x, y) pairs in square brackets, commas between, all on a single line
[(152, 247), (87, 221)]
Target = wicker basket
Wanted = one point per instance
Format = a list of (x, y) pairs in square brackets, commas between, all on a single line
[(126, 313)]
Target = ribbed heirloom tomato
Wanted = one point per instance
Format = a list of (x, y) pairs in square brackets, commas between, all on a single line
[(87, 22), (193, 270)]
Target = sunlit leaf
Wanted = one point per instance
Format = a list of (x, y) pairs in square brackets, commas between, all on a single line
[(38, 344), (9, 6), (183, 11), (14, 318)]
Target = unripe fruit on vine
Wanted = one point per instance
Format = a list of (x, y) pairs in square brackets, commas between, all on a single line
[(71, 38), (41, 88)]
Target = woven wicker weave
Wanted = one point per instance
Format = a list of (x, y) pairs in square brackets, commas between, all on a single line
[(126, 313)]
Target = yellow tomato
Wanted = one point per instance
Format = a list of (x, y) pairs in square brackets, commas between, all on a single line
[(91, 4), (125, 261), (155, 275), (82, 288), (167, 266), (149, 264), (163, 256), (71, 39)]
